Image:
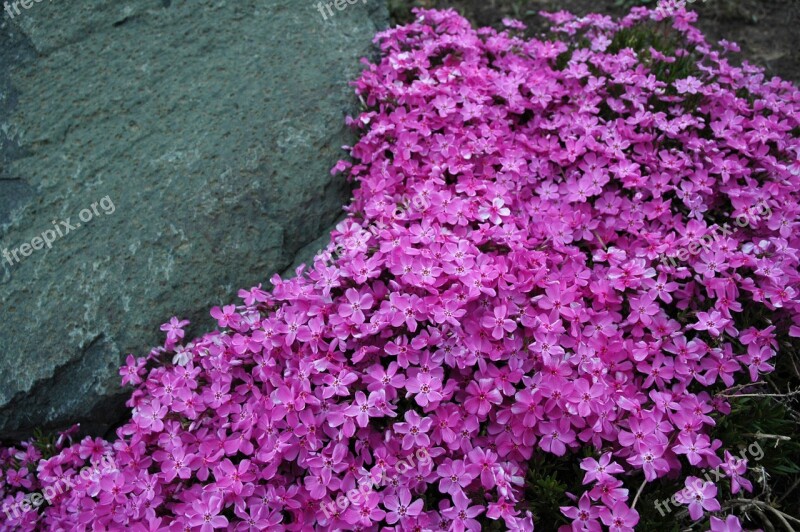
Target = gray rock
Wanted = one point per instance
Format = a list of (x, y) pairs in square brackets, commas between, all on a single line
[(309, 251), (15, 49), (211, 126)]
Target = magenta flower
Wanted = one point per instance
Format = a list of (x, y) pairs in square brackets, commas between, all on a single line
[(584, 516), (150, 416), (226, 316), (700, 496), (176, 463), (494, 212), (499, 323), (462, 515), (114, 488), (481, 396), (355, 306), (713, 322), (233, 477), (448, 312), (132, 371), (695, 447), (730, 524), (650, 459), (643, 309), (661, 287), (556, 436), (174, 329), (619, 518), (454, 477), (599, 471), (586, 396), (484, 464), (414, 430), (295, 325), (258, 518), (426, 387), (361, 409), (386, 379), (736, 467), (400, 506), (367, 512), (204, 513), (503, 509), (338, 385)]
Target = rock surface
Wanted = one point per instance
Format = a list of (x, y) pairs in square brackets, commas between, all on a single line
[(210, 125)]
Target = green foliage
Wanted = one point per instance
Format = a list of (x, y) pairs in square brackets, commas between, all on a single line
[(662, 38), (45, 443), (400, 10), (627, 4), (547, 481)]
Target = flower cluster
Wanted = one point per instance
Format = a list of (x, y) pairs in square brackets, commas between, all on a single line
[(517, 308)]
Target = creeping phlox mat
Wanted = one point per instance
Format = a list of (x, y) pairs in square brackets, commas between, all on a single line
[(564, 254)]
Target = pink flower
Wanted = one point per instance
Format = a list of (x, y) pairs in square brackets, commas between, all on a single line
[(584, 516), (700, 496), (643, 309), (400, 506), (481, 396), (499, 323), (355, 306), (599, 471), (494, 212), (712, 322), (735, 468), (730, 524), (233, 477), (462, 514), (483, 464), (367, 512), (619, 518), (226, 316), (204, 513), (695, 447), (414, 429), (174, 329), (132, 371), (150, 415), (503, 509), (338, 385), (177, 464), (426, 387), (688, 85), (449, 312), (454, 477), (385, 378), (556, 436)]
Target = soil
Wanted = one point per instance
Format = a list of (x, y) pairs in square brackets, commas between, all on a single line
[(768, 31)]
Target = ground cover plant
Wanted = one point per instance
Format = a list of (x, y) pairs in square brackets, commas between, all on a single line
[(568, 265)]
